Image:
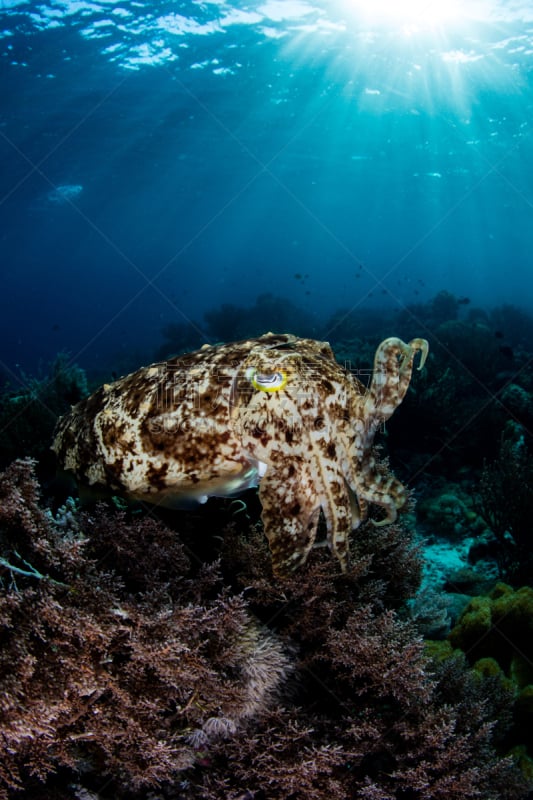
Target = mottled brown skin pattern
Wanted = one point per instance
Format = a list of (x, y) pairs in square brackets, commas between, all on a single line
[(276, 410)]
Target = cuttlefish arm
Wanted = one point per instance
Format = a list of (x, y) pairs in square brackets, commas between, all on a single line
[(290, 516), (291, 497), (393, 368)]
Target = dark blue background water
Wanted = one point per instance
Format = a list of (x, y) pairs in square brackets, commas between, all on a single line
[(158, 159)]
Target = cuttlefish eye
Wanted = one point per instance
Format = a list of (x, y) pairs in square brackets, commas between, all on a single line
[(266, 382)]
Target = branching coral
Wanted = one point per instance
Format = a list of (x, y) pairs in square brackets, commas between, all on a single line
[(377, 722), (93, 678), (506, 504), (128, 674)]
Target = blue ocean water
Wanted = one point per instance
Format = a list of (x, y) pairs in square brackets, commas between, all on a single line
[(161, 158)]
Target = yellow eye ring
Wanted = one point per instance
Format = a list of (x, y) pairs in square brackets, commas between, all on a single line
[(266, 382)]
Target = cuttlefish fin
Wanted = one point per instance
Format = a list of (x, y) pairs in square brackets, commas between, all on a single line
[(290, 516)]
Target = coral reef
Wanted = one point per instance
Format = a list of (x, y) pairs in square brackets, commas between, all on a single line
[(132, 688), (230, 322), (500, 626), (179, 337), (495, 631), (29, 411), (478, 379), (513, 323), (154, 656), (269, 313), (506, 503), (520, 404), (449, 513), (129, 670)]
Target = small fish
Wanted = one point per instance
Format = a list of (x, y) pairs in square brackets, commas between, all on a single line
[(507, 352), (64, 194)]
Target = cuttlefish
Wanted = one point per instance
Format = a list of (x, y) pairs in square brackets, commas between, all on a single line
[(277, 411)]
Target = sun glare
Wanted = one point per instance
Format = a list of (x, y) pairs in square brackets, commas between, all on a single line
[(407, 14)]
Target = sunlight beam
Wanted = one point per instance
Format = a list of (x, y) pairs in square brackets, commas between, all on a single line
[(407, 13)]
